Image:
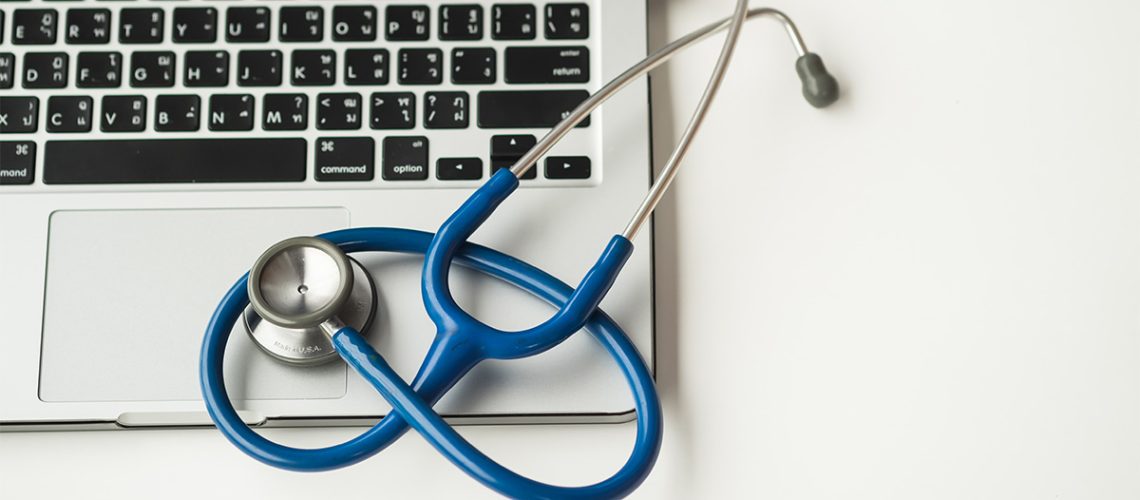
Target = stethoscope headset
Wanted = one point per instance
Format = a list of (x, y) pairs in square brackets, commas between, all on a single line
[(302, 283)]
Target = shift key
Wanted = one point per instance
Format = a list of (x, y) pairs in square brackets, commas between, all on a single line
[(528, 108)]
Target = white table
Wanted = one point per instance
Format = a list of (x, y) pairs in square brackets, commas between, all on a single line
[(930, 291)]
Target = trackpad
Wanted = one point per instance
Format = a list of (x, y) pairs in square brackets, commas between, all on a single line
[(129, 294)]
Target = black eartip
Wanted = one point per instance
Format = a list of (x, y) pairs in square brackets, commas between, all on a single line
[(820, 88)]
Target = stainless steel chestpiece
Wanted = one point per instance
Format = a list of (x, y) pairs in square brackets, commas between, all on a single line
[(300, 291)]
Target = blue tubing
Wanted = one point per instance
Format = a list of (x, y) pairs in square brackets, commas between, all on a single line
[(413, 402), (489, 341)]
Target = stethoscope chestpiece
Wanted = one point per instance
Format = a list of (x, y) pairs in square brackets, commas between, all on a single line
[(297, 285)]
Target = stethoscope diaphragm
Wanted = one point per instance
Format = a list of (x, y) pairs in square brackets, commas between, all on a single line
[(299, 283)]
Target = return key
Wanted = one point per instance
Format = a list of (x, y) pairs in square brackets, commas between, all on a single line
[(548, 65)]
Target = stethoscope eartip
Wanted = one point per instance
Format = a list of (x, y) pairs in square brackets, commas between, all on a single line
[(820, 88)]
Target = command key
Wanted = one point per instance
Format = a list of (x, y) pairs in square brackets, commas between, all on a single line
[(345, 159), (17, 162)]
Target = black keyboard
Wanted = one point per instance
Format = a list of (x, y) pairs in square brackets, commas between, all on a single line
[(101, 92)]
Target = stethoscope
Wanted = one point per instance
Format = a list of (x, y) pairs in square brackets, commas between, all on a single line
[(303, 284)]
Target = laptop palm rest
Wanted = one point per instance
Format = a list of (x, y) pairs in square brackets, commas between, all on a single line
[(129, 293)]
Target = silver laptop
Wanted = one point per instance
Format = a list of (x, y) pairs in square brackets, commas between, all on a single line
[(149, 151)]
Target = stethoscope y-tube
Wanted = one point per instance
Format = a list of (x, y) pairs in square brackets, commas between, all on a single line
[(284, 293)]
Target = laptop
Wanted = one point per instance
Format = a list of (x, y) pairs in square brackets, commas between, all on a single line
[(150, 151)]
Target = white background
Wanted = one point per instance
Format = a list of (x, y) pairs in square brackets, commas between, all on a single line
[(931, 290)]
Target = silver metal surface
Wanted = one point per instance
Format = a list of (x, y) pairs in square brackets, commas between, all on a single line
[(311, 346), (300, 282), (79, 263), (330, 326)]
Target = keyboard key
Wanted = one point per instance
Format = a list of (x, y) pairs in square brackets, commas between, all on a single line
[(547, 65), (99, 70), (231, 112), (88, 26), (366, 67), (177, 113), (123, 113), (19, 114), (45, 70), (567, 21), (34, 26), (567, 167), (206, 68), (7, 70), (195, 25), (314, 67), (528, 108), (461, 22), (507, 149), (174, 160), (473, 66), (247, 24), (459, 169), (511, 146), (140, 25), (69, 114), (446, 109), (407, 23), (302, 24), (498, 164), (17, 162), (285, 112), (345, 159), (393, 110), (421, 66), (259, 68), (512, 22), (405, 158), (355, 23), (338, 111), (152, 69)]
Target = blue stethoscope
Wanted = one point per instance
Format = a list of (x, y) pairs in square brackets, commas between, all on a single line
[(303, 282)]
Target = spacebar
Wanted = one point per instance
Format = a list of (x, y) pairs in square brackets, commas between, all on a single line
[(174, 160)]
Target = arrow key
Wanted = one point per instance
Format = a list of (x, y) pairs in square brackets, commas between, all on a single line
[(459, 169), (568, 167), (511, 146)]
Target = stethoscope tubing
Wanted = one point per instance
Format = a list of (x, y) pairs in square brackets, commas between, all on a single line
[(450, 319), (412, 403)]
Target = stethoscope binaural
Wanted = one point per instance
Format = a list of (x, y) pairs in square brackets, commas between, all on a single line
[(302, 283)]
